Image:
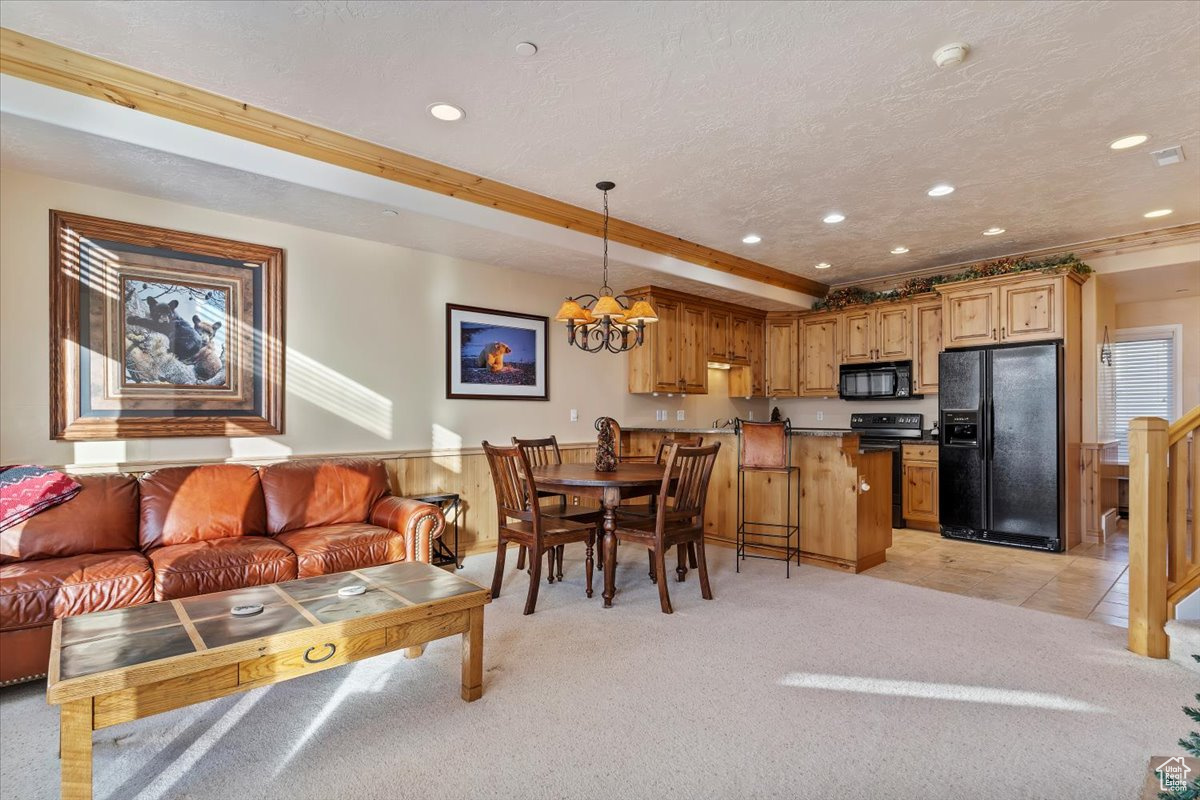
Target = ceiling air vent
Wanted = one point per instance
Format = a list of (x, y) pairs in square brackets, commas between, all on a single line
[(1169, 156)]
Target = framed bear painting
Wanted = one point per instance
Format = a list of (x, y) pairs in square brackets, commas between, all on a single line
[(496, 355), (162, 333)]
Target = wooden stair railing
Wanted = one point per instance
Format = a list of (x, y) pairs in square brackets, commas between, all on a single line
[(1164, 534)]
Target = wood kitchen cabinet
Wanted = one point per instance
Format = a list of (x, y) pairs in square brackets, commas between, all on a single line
[(719, 343), (877, 333), (927, 343), (1007, 309), (673, 357), (919, 499), (749, 380), (783, 357), (741, 329), (820, 356), (969, 316), (692, 332)]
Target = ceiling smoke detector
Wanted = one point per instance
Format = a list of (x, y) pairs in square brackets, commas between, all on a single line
[(1168, 156), (951, 55)]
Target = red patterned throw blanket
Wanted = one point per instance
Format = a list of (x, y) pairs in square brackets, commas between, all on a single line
[(27, 490)]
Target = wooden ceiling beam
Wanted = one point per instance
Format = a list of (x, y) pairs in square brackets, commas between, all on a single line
[(53, 65)]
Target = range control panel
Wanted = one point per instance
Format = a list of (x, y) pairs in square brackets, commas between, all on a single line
[(904, 422)]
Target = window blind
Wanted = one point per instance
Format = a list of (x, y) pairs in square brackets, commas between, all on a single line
[(1144, 378)]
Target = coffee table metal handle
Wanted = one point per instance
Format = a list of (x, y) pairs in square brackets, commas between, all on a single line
[(332, 649)]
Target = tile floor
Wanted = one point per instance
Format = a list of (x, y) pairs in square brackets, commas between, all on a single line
[(1091, 581)]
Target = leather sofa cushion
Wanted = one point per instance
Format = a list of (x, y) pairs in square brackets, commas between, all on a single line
[(101, 518), (313, 493), (337, 548), (195, 504), (183, 570), (38, 592)]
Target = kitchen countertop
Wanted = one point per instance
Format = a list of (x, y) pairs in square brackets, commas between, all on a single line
[(729, 430)]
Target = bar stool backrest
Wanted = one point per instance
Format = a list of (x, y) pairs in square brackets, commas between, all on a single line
[(763, 445)]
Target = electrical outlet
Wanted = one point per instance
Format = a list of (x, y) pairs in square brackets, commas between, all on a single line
[(820, 416), (680, 415), (574, 415)]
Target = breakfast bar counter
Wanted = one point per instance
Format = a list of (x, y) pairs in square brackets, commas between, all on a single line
[(845, 495)]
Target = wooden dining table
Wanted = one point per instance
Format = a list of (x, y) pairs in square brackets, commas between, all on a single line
[(628, 480)]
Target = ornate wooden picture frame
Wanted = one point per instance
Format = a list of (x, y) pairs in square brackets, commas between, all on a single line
[(496, 355), (155, 332)]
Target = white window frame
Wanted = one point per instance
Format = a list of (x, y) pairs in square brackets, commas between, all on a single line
[(1173, 331)]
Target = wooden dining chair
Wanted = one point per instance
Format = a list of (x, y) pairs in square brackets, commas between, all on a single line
[(520, 519), (648, 511), (541, 453), (679, 518)]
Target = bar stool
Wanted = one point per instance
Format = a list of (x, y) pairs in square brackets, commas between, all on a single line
[(766, 447)]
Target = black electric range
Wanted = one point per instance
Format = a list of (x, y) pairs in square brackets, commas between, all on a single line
[(887, 432)]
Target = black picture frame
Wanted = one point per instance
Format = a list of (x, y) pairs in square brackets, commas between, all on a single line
[(476, 369)]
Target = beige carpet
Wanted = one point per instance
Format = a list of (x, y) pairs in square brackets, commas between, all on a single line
[(824, 686)]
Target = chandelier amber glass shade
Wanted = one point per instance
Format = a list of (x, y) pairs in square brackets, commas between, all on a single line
[(571, 310), (607, 306), (641, 311)]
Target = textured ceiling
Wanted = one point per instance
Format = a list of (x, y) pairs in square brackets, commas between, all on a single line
[(719, 119), (30, 146)]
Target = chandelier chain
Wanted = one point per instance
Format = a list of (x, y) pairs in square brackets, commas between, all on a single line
[(606, 242)]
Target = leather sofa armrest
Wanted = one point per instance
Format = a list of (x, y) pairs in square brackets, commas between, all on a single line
[(420, 523)]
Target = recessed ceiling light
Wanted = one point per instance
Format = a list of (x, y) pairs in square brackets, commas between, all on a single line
[(1126, 142), (1162, 212), (753, 238), (391, 212), (824, 265), (993, 231), (899, 251), (940, 190), (834, 218), (446, 112), (526, 49)]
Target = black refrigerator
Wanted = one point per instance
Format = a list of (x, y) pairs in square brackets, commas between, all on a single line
[(1001, 453)]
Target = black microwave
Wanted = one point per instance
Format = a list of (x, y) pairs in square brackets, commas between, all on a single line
[(878, 381)]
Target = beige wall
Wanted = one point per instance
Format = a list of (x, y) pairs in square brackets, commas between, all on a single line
[(365, 343), (1183, 311), (1099, 312)]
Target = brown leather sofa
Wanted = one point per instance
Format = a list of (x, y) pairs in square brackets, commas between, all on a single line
[(183, 531)]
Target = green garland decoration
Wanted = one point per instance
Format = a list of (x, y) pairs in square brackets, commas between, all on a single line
[(855, 295)]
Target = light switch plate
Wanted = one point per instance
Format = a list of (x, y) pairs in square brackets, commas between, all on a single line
[(679, 415), (574, 415)]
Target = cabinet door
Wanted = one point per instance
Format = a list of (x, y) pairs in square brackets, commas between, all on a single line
[(927, 343), (718, 336), (858, 338), (893, 333), (758, 358), (667, 375), (969, 317), (782, 356), (820, 357), (1031, 310), (693, 360), (919, 501), (739, 340)]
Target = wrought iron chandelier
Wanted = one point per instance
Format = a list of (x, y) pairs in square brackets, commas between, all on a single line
[(605, 321)]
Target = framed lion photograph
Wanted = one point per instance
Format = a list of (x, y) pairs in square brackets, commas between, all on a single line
[(162, 333), (496, 355)]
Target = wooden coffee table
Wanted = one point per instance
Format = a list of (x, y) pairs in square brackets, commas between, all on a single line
[(116, 666)]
